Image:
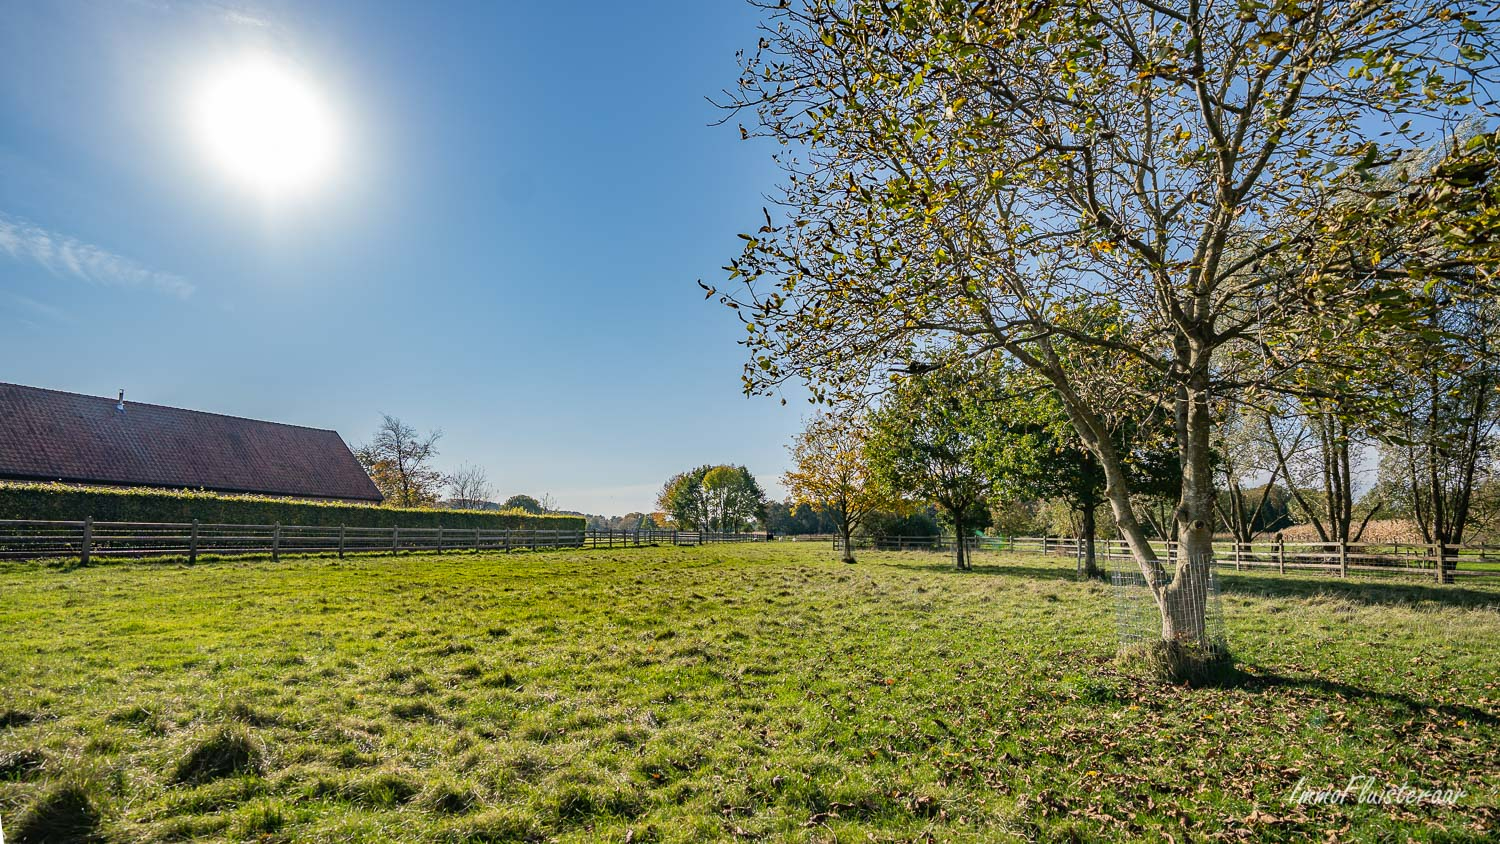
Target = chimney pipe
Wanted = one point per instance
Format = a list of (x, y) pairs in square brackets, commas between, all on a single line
[(121, 405)]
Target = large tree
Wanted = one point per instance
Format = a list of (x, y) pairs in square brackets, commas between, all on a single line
[(984, 170), (399, 461), (832, 475), (722, 498)]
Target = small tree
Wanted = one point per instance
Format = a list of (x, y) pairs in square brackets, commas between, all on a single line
[(927, 442), (832, 475), (399, 461), (469, 487)]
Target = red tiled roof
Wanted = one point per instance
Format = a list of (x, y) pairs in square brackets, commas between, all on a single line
[(46, 435)]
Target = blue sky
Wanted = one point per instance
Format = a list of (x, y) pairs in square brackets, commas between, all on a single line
[(506, 248)]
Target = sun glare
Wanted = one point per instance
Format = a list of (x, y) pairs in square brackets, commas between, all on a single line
[(266, 127)]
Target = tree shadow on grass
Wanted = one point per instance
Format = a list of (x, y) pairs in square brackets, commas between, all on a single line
[(1368, 592), (945, 566), (1263, 681)]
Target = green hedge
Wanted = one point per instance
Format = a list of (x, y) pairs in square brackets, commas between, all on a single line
[(60, 502)]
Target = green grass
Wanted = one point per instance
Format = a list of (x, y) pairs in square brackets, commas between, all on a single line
[(729, 692)]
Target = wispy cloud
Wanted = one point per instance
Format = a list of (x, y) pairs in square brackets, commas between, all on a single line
[(244, 19), (64, 255)]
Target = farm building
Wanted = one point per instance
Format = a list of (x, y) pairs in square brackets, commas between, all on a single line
[(47, 435)]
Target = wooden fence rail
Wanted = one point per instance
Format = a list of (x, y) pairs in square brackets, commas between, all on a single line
[(30, 539)]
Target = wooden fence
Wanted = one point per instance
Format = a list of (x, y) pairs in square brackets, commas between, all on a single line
[(909, 543), (1336, 558), (28, 539)]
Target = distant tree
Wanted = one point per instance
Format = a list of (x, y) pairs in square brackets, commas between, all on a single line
[(789, 518), (469, 487), (522, 502), (1442, 447), (548, 503), (927, 443), (1032, 451), (399, 461), (831, 473), (906, 522), (1240, 445), (1315, 444), (715, 498)]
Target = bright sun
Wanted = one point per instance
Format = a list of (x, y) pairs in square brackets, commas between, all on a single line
[(266, 126)]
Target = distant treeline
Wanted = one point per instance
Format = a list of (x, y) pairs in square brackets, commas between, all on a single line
[(785, 518)]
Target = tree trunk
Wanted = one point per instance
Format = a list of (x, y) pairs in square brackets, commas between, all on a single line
[(1091, 568), (846, 535), (1184, 600), (959, 558)]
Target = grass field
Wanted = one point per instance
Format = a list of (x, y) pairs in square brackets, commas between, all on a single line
[(729, 692)]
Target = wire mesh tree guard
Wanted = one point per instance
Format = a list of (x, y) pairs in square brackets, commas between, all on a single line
[(1139, 610)]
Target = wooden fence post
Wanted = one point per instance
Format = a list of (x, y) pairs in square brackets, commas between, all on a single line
[(440, 539), (1281, 553), (193, 544), (1343, 558), (276, 542), (507, 540), (341, 542), (1044, 545), (1237, 555), (395, 538), (476, 540), (86, 547)]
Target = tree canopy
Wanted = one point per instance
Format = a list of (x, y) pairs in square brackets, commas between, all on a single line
[(523, 502)]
